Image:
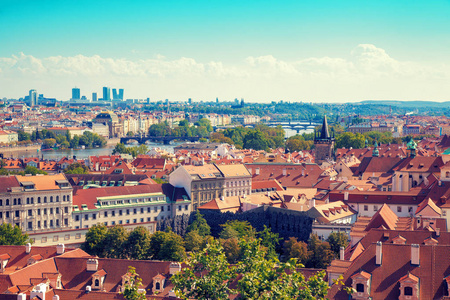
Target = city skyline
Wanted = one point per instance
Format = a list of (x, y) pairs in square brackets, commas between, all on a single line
[(309, 51)]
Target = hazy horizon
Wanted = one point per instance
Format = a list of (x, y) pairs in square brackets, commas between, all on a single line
[(310, 51)]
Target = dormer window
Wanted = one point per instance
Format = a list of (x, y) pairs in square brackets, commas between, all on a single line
[(409, 287), (158, 283), (98, 278), (361, 282)]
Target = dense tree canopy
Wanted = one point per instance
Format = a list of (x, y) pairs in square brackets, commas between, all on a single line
[(209, 275), (76, 168), (10, 235), (337, 240)]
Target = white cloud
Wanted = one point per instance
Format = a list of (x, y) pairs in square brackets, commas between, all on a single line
[(368, 73)]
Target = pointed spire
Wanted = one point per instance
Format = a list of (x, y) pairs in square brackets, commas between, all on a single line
[(324, 134)]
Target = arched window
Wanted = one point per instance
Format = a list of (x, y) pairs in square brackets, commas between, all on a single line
[(51, 198), (158, 286), (7, 201), (64, 198), (39, 199), (45, 199), (15, 201), (57, 198), (408, 291), (360, 288), (447, 174), (97, 282)]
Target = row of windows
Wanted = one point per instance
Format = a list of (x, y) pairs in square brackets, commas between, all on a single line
[(228, 184), (129, 201), (134, 211), (45, 224), (56, 238), (237, 193), (129, 221), (31, 212), (30, 200), (399, 208)]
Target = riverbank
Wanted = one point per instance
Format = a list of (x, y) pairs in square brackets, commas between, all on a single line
[(113, 141), (8, 151)]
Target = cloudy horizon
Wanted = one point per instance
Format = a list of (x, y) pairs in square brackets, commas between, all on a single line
[(317, 51)]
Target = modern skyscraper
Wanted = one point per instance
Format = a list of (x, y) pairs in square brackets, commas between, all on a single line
[(76, 93), (106, 93), (33, 97), (94, 96), (117, 96)]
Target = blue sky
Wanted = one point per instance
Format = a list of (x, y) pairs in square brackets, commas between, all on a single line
[(282, 34)]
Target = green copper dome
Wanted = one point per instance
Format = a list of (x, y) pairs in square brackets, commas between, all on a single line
[(411, 145), (375, 152)]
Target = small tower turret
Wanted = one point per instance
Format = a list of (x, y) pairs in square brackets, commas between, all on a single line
[(324, 143), (375, 152)]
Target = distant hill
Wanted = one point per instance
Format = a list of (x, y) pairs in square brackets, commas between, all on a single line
[(403, 104)]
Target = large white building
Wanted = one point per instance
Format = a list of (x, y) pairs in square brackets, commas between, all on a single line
[(122, 205), (36, 203), (207, 182)]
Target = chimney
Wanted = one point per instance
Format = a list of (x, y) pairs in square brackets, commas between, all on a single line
[(28, 248), (345, 196), (171, 294), (174, 268), (379, 253), (21, 296), (284, 172), (60, 248), (438, 232), (257, 171), (56, 297), (312, 203), (415, 258), (303, 172), (88, 289), (92, 265), (341, 253)]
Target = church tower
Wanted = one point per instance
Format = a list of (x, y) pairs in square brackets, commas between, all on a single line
[(324, 143)]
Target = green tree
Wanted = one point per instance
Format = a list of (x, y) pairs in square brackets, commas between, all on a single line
[(231, 249), (166, 246), (207, 275), (200, 225), (33, 170), (295, 249), (255, 140), (115, 241), (23, 136), (319, 253), (75, 142), (138, 243), (193, 241), (132, 288), (10, 235), (337, 240), (271, 279), (130, 133), (94, 240), (270, 240), (348, 139), (76, 168), (242, 228), (48, 143), (120, 148)]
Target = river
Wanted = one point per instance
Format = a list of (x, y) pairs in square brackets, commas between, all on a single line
[(83, 153)]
